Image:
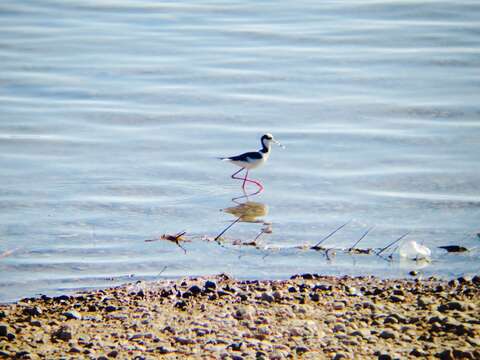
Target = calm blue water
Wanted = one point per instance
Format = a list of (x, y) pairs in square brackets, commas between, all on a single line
[(112, 115)]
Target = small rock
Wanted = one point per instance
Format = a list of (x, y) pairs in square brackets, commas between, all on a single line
[(63, 333), (413, 273), (110, 308), (210, 285), (446, 355), (36, 323), (244, 313), (33, 311), (384, 357), (301, 349), (397, 298), (195, 290), (339, 328), (267, 297), (388, 334), (74, 350), (72, 314), (363, 333), (113, 354), (338, 306), (184, 341), (3, 329), (339, 356)]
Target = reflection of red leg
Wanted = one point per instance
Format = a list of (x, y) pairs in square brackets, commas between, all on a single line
[(237, 178), (245, 180)]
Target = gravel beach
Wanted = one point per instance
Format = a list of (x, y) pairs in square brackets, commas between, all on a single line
[(306, 317)]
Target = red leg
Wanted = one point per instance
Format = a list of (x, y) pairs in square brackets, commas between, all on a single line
[(246, 179)]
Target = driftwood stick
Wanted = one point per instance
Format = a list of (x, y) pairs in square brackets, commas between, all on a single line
[(329, 235), (228, 227), (361, 238), (393, 243)]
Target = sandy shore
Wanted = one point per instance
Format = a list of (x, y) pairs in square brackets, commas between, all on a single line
[(308, 316)]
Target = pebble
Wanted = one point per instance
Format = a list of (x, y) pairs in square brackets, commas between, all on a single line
[(4, 330), (267, 297), (388, 334), (63, 333), (33, 311), (338, 306), (72, 314)]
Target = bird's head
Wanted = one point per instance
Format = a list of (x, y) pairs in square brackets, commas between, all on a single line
[(268, 138)]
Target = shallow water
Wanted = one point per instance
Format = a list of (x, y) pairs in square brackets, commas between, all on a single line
[(112, 115)]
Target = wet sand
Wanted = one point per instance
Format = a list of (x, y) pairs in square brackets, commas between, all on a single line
[(307, 317)]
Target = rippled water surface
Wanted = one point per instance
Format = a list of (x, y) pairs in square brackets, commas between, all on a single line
[(112, 114)]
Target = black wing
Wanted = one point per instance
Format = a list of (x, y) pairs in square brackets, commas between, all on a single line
[(249, 155)]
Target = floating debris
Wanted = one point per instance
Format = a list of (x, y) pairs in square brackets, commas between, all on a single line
[(7, 253), (413, 250), (361, 251), (173, 238), (453, 248)]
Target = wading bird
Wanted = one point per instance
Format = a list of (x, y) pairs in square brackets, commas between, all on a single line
[(252, 160)]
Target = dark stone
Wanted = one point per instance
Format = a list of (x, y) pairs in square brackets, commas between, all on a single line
[(62, 298), (63, 334), (301, 349), (446, 355), (236, 346), (210, 285), (195, 290), (315, 297), (396, 299), (292, 289), (384, 357), (181, 305), (22, 355), (2, 315), (110, 308), (33, 311), (3, 330), (307, 276)]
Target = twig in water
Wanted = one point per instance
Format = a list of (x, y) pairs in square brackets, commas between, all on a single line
[(161, 272), (361, 238), (225, 230), (393, 243), (7, 253), (173, 238), (318, 247)]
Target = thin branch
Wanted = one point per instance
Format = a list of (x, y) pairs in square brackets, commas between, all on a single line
[(393, 243), (361, 238), (228, 227), (316, 247)]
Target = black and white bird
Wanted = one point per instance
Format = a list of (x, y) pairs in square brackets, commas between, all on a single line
[(252, 160)]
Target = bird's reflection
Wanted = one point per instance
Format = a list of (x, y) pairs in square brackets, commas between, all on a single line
[(248, 211)]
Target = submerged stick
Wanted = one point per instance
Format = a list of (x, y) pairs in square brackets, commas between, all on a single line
[(316, 247), (228, 227), (361, 238), (393, 243)]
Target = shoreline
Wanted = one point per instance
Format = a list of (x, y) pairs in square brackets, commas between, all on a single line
[(308, 316)]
